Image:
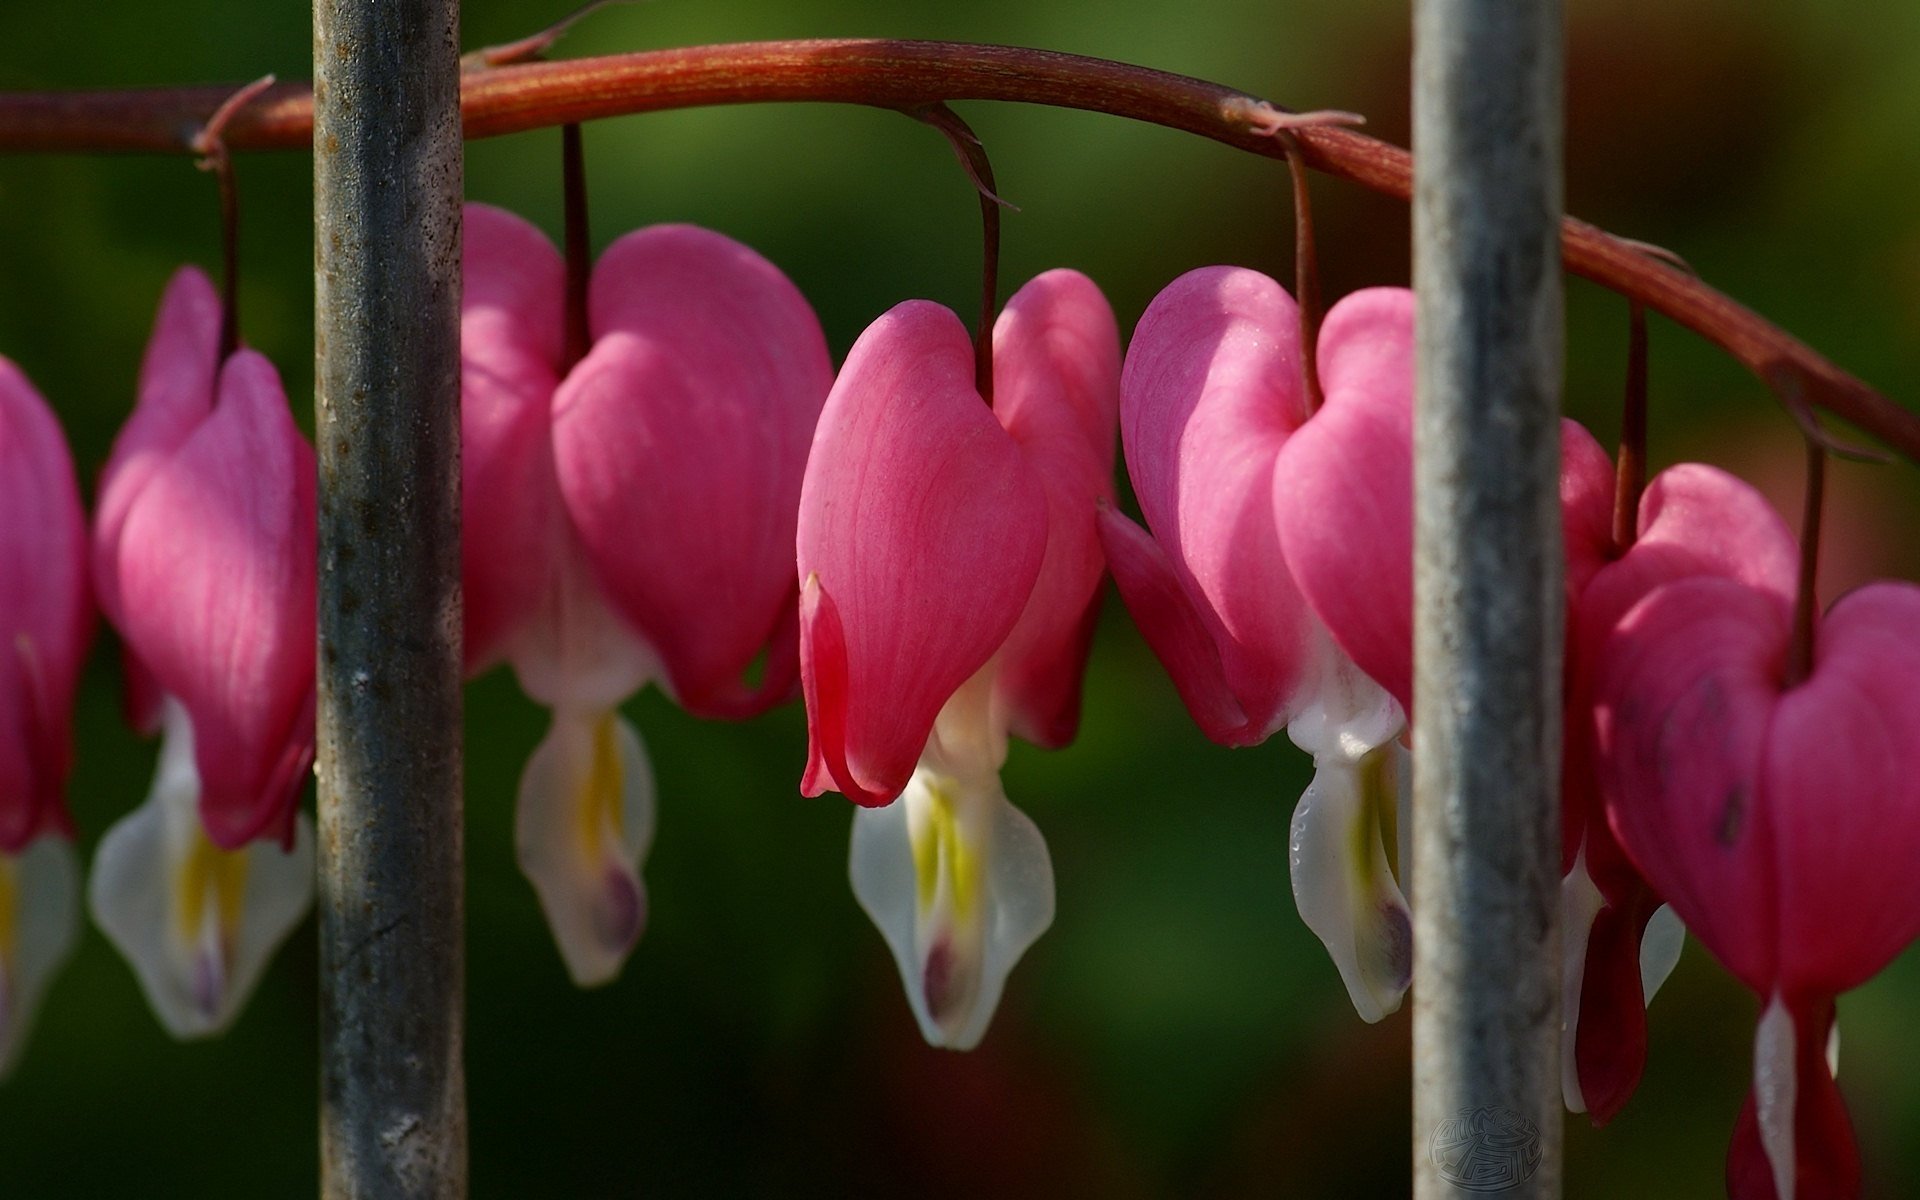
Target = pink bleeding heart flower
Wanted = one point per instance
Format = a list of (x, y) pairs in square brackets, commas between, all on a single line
[(46, 620), (630, 518), (1781, 818), (1344, 495), (1213, 401), (1621, 941), (949, 568), (204, 562)]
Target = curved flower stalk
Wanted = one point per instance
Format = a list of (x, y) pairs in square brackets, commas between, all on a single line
[(203, 557), (630, 518), (46, 620), (949, 568), (1781, 819), (1621, 941)]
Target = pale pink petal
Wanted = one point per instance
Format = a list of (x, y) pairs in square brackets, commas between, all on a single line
[(1842, 786), (1683, 697), (574, 652), (45, 612), (681, 439), (216, 567), (510, 348), (1210, 392), (1056, 368), (1343, 493), (924, 526)]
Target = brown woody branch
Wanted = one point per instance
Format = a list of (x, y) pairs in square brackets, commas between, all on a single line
[(908, 74)]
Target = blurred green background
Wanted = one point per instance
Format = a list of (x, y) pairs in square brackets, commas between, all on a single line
[(1178, 1033)]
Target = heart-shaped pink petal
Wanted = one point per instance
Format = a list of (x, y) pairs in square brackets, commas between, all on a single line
[(922, 530), (216, 573), (1056, 368), (45, 612), (1210, 392), (680, 442)]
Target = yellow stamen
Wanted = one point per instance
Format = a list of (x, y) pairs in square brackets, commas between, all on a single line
[(1379, 813), (939, 849), (210, 874), (601, 811)]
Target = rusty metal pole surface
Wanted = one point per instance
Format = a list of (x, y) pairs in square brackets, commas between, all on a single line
[(387, 189), (1488, 597)]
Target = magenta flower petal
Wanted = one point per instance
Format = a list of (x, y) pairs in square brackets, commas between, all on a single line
[(1174, 630), (1587, 483), (1842, 789), (681, 440), (177, 379), (1684, 697), (1344, 489), (924, 526), (216, 573), (1210, 392), (510, 350), (1610, 1037), (45, 613), (1694, 520), (1057, 391)]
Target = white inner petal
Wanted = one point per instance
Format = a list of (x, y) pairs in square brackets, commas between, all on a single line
[(39, 923), (1580, 903), (1660, 948), (575, 652), (957, 880), (1343, 882), (582, 829), (1774, 1090), (1347, 714), (197, 923)]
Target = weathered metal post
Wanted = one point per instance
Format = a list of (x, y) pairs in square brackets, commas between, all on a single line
[(387, 189), (1488, 598)]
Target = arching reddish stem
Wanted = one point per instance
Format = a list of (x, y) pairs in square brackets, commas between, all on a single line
[(1630, 475), (1806, 605), (909, 74)]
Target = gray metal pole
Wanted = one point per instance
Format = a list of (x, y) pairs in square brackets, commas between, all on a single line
[(1488, 601), (387, 188)]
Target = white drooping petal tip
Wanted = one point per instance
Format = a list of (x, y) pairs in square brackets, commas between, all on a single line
[(1343, 883), (959, 883), (1580, 904), (582, 830), (1775, 1093), (39, 922), (198, 924), (1660, 946)]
